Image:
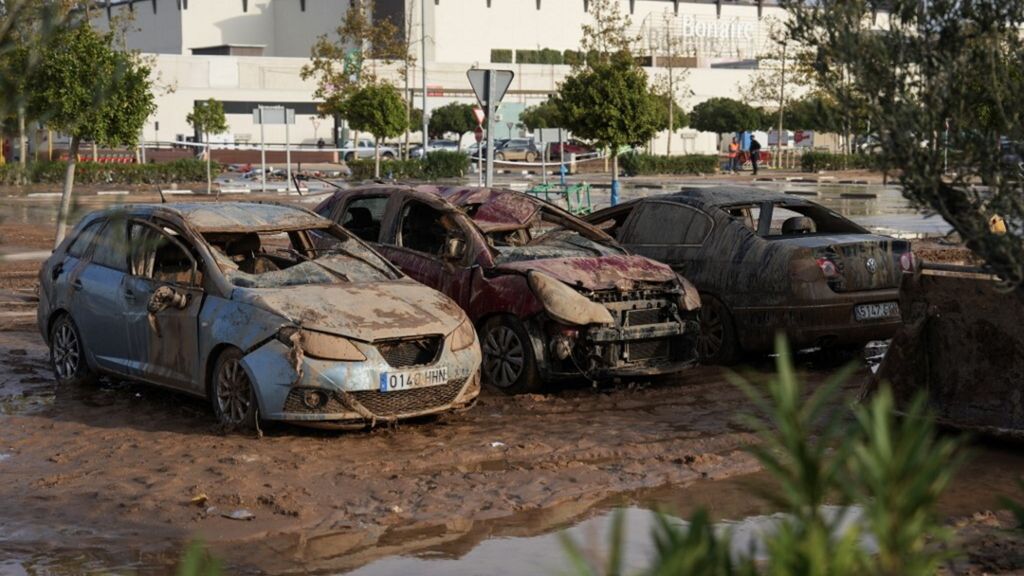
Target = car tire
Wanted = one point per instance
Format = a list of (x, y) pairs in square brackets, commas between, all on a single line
[(232, 392), (349, 156), (509, 364), (530, 156), (67, 354), (717, 343), (499, 157)]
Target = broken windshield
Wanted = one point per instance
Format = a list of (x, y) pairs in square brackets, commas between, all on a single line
[(295, 258), (551, 234)]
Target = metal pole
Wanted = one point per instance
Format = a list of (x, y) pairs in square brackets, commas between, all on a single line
[(543, 159), (479, 164), (263, 155), (423, 57), (491, 98), (287, 148)]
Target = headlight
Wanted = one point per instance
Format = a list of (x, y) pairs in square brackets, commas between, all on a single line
[(320, 345), (690, 300), (565, 304), (464, 336)]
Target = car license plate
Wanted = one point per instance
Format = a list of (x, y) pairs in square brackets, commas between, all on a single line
[(865, 312), (393, 381)]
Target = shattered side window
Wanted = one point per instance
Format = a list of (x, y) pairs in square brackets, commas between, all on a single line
[(112, 246), (423, 229), (363, 217), (793, 220), (749, 215)]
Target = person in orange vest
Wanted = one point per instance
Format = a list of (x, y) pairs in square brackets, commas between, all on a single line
[(734, 153)]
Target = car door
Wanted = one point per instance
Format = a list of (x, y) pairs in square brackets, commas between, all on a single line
[(416, 238), (96, 300), (669, 232), (164, 294)]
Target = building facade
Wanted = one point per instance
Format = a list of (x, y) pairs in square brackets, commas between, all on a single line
[(250, 52)]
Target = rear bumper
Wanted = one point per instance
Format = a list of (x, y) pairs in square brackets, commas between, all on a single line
[(814, 324)]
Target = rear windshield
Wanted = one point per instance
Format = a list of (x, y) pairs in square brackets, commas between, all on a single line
[(295, 258)]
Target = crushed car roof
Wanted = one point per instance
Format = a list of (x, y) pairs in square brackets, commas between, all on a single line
[(225, 217), (496, 208)]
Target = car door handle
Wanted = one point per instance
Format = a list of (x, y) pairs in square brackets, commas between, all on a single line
[(76, 284), (129, 296), (57, 270)]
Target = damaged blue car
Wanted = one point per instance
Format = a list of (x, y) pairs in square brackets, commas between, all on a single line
[(268, 311)]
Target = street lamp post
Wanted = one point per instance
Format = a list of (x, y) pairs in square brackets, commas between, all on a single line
[(423, 57)]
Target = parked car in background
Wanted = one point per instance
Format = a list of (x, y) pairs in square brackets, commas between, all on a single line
[(364, 149), (767, 262), (551, 296), (269, 312), (556, 150), (435, 145), (517, 149)]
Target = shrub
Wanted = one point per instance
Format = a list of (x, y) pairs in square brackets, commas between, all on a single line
[(186, 170), (818, 161), (549, 56), (648, 164), (437, 165), (501, 56), (526, 57), (573, 57), (12, 174)]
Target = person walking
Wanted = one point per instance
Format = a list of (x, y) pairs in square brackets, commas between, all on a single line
[(755, 153), (734, 153)]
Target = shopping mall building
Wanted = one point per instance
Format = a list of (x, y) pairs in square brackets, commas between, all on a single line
[(248, 53)]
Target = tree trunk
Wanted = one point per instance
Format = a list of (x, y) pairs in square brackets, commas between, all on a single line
[(782, 110), (671, 106), (209, 172), (408, 112), (376, 157), (22, 138), (69, 182)]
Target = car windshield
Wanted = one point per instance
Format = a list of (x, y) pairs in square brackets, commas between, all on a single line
[(275, 259), (551, 234)]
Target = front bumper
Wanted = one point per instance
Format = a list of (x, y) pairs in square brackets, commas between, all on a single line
[(815, 324), (351, 390)]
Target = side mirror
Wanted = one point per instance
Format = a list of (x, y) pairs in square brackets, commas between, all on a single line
[(167, 297), (454, 249)]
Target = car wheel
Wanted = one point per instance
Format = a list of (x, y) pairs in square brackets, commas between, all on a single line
[(499, 156), (530, 156), (508, 364), (388, 156), (232, 392), (717, 344), (67, 354), (349, 157)]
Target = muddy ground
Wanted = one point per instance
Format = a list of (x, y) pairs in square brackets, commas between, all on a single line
[(122, 475)]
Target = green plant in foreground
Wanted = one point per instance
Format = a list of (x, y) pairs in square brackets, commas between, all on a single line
[(198, 562), (891, 469)]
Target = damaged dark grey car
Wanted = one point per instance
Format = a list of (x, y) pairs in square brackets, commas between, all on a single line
[(269, 311)]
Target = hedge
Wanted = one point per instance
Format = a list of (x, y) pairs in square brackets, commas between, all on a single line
[(648, 164), (501, 56), (819, 161), (185, 170), (437, 165)]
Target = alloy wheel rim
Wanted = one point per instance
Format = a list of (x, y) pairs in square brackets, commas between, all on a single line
[(712, 332), (504, 356), (233, 392), (66, 356)]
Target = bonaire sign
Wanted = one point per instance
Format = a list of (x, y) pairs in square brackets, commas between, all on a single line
[(702, 36), (735, 29)]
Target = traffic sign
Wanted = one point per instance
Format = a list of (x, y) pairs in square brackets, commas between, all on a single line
[(502, 79), (478, 113)]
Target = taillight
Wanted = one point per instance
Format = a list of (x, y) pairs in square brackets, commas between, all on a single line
[(828, 267), (908, 262)]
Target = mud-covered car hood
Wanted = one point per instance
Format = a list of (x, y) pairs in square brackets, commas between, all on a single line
[(365, 311), (600, 273)]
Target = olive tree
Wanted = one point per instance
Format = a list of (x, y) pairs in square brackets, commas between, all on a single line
[(87, 89), (208, 118), (941, 83), (606, 99), (543, 115), (724, 115), (379, 110)]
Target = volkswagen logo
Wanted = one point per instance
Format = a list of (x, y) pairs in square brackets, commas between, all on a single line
[(872, 265)]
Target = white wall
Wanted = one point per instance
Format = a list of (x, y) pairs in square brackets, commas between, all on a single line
[(153, 32)]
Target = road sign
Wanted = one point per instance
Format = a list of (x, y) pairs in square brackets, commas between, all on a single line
[(501, 79), (478, 113), (273, 115), (479, 133), (490, 86)]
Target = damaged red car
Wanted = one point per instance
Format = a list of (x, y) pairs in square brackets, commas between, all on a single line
[(552, 297)]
